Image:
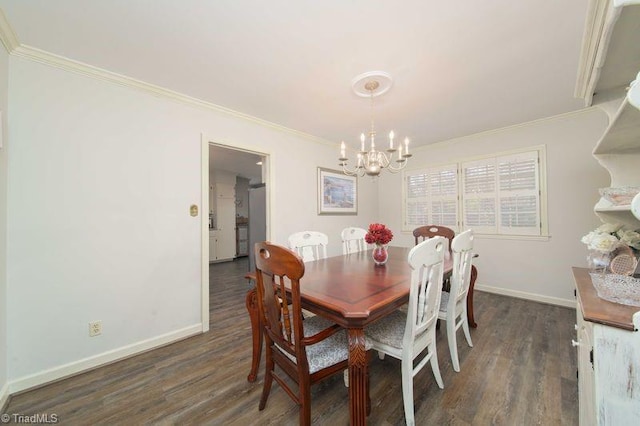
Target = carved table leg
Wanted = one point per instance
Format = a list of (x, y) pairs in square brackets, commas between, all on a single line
[(474, 275), (256, 334), (357, 377)]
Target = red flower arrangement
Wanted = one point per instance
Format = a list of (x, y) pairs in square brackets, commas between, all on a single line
[(378, 234)]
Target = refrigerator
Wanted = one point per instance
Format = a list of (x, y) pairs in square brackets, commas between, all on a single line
[(257, 219)]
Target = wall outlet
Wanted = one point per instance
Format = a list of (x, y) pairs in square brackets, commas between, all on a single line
[(95, 328)]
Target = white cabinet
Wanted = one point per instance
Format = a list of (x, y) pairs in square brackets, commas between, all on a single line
[(213, 246), (219, 247), (222, 240), (586, 376), (225, 190), (608, 358)]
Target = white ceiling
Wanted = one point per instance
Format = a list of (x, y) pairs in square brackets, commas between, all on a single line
[(459, 67)]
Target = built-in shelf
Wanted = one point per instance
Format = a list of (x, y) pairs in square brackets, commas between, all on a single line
[(614, 208), (619, 152), (623, 134)]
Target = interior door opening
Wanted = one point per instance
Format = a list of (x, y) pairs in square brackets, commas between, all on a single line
[(235, 188)]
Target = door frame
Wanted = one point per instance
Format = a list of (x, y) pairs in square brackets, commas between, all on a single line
[(204, 216)]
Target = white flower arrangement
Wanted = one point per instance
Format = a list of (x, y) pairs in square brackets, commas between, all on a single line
[(609, 236)]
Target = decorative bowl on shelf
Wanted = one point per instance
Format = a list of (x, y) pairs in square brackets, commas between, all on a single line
[(621, 195)]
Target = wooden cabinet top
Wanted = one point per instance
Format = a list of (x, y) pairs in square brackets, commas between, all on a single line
[(598, 310)]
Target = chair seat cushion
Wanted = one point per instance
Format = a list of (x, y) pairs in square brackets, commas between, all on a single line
[(329, 351), (388, 330)]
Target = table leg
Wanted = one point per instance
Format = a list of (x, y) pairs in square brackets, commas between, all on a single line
[(474, 275), (256, 334), (357, 377)]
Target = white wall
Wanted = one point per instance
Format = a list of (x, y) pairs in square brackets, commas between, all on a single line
[(534, 269), (4, 88), (101, 177)]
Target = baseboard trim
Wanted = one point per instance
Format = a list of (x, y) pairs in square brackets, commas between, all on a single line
[(528, 296), (80, 366), (4, 396)]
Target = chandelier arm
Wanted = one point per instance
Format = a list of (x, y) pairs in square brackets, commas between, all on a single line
[(358, 171), (396, 169)]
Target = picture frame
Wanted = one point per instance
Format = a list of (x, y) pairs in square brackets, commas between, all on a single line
[(337, 193)]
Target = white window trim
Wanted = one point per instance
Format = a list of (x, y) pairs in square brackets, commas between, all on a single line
[(542, 176)]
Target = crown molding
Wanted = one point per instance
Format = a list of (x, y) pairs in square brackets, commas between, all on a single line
[(7, 35), (61, 62)]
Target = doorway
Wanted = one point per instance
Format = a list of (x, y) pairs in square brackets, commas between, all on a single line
[(222, 167)]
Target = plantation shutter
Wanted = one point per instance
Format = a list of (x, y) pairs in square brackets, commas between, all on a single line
[(479, 195), (443, 192), (495, 195), (416, 196), (519, 194)]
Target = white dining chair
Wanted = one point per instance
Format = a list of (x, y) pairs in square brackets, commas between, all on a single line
[(310, 245), (405, 336), (353, 240), (453, 305)]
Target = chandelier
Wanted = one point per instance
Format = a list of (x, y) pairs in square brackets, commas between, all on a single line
[(371, 162)]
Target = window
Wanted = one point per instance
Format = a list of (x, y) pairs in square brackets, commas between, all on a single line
[(497, 195), (431, 197)]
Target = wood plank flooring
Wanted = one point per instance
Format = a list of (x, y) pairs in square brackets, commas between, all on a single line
[(521, 371)]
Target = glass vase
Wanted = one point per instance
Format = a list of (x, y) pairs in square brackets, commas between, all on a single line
[(380, 254), (598, 261)]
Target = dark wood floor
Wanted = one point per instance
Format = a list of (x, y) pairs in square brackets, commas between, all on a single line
[(521, 371)]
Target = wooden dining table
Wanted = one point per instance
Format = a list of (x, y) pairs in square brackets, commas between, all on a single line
[(353, 292)]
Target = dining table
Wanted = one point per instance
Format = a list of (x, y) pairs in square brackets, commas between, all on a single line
[(352, 291)]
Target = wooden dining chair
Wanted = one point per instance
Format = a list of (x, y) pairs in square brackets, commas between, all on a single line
[(428, 231), (307, 351), (405, 336), (353, 240), (453, 305), (310, 245)]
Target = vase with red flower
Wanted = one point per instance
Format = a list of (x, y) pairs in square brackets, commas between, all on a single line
[(380, 254), (379, 235)]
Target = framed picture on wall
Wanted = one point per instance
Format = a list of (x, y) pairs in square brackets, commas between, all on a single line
[(337, 192)]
